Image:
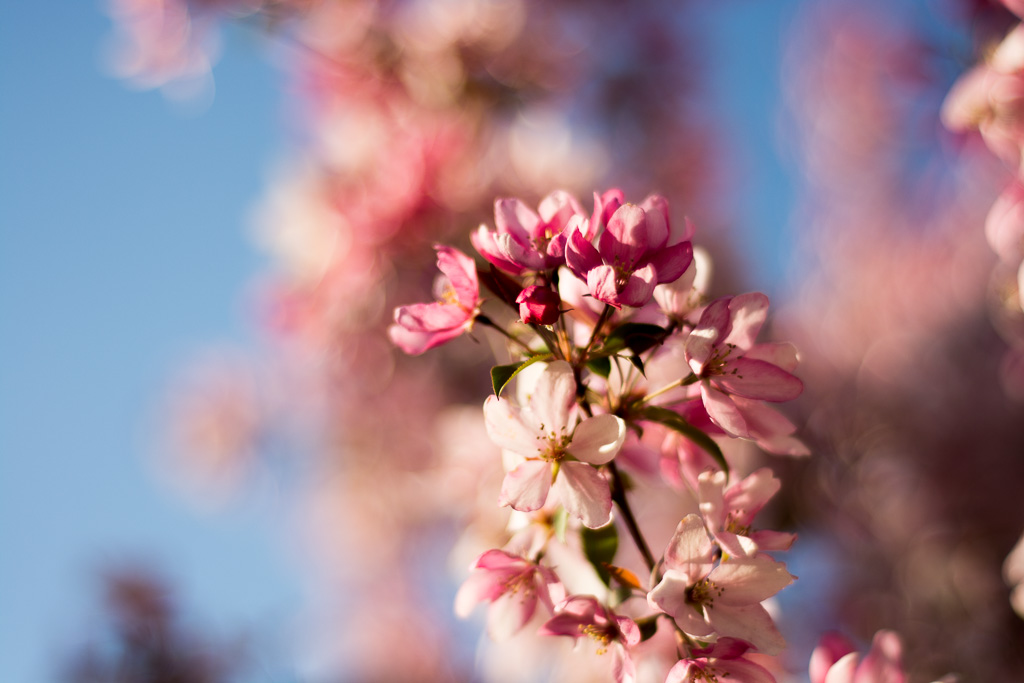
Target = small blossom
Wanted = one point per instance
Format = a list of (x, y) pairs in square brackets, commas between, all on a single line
[(525, 241), (545, 433), (724, 599), (513, 585), (420, 327), (583, 616), (637, 250), (721, 352), (730, 512)]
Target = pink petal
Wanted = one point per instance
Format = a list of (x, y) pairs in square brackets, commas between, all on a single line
[(602, 285), (747, 313), (752, 493), (639, 287), (625, 241), (690, 549), (723, 412), (584, 493), (461, 272), (751, 623), (509, 613), (623, 668), (831, 648), (883, 662), (771, 541), (671, 262), (478, 587), (746, 581), (843, 671), (558, 207), (782, 354), (580, 254), (742, 670), (513, 217), (759, 380), (484, 242), (671, 596), (415, 343), (526, 487), (658, 227), (704, 338), (431, 317), (598, 439)]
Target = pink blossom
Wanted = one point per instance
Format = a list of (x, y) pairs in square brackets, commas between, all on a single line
[(1004, 226), (539, 305), (722, 661), (419, 327), (583, 615), (834, 660), (730, 512), (524, 241), (513, 585), (724, 599), (735, 372), (637, 250), (557, 452)]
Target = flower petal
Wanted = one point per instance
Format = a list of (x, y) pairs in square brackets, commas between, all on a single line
[(506, 427), (626, 239), (584, 493), (747, 313), (526, 487), (751, 623), (723, 412), (598, 439), (759, 380), (461, 272), (553, 398)]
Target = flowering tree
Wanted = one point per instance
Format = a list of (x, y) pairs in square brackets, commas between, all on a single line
[(625, 398)]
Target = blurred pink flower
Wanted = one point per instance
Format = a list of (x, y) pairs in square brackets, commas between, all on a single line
[(419, 327), (635, 252), (722, 353), (513, 585), (834, 660), (1004, 226), (545, 432), (583, 615)]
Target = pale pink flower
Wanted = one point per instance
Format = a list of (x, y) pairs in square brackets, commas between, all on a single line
[(735, 372), (1004, 226), (724, 599), (523, 240), (557, 452), (583, 616), (723, 661), (419, 327), (636, 251), (729, 512), (834, 660), (513, 585), (1013, 572)]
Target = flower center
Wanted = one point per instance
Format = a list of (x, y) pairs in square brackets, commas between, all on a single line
[(599, 635), (704, 592)]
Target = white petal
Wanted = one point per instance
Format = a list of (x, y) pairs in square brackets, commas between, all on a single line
[(554, 397), (506, 428), (598, 439), (751, 623), (526, 487), (584, 493)]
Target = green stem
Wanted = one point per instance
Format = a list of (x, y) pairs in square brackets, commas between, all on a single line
[(487, 322), (619, 496)]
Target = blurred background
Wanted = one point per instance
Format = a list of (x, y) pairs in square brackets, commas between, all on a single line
[(209, 208)]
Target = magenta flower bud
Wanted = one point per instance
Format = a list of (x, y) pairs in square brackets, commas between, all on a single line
[(538, 305)]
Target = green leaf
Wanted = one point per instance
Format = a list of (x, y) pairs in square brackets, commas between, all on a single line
[(600, 366), (675, 422), (599, 547), (501, 375), (648, 627), (637, 337)]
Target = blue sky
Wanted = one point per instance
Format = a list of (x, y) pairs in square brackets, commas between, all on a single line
[(123, 252)]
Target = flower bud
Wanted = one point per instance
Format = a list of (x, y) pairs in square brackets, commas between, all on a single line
[(538, 305)]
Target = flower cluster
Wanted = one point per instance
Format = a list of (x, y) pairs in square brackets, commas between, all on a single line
[(620, 360)]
